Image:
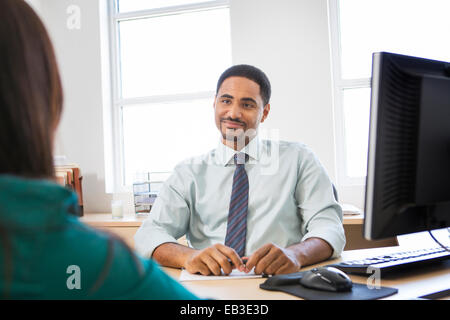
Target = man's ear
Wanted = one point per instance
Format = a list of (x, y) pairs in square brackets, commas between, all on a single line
[(265, 112)]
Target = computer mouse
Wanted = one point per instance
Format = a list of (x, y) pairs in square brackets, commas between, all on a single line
[(327, 279)]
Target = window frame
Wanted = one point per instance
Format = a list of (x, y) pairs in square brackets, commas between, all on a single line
[(339, 85), (116, 182)]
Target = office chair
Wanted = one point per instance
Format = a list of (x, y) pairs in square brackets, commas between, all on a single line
[(335, 193)]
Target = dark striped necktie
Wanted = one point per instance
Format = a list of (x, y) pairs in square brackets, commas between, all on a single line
[(237, 214)]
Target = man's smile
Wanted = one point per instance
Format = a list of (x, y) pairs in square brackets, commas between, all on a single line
[(233, 124)]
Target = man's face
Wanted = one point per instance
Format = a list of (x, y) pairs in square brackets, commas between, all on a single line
[(239, 109)]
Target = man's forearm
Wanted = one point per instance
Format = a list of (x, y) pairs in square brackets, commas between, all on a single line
[(312, 250), (171, 254)]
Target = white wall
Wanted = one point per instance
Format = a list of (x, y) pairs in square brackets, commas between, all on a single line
[(288, 39), (80, 135), (35, 4)]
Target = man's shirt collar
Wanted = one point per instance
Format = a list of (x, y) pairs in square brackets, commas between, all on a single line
[(225, 154)]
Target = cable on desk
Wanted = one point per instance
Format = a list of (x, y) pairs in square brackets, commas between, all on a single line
[(436, 240)]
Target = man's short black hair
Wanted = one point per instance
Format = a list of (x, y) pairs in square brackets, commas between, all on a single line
[(251, 73)]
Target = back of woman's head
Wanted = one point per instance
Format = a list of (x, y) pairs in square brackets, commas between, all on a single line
[(30, 93)]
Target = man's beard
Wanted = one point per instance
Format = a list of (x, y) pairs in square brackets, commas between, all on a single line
[(238, 137)]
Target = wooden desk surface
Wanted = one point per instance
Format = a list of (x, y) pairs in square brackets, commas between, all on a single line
[(131, 220), (127, 226), (106, 220), (410, 284)]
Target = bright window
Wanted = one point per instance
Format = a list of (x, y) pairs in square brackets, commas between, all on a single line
[(136, 5), (359, 28), (167, 57)]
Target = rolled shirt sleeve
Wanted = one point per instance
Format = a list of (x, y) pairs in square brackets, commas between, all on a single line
[(168, 219), (321, 214)]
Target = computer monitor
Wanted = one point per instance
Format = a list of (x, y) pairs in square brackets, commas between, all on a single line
[(408, 171)]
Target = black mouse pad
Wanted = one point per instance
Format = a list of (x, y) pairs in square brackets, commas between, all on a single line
[(290, 283)]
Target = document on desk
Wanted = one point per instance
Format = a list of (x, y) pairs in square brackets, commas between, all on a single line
[(235, 274), (350, 210)]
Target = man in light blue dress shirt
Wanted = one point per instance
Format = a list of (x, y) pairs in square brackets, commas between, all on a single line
[(293, 218)]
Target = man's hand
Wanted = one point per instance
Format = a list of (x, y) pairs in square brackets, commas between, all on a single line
[(213, 260), (272, 259), (269, 259)]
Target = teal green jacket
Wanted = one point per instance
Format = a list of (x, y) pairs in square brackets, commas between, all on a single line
[(47, 253)]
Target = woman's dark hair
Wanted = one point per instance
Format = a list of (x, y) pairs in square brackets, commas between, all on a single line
[(251, 73), (31, 95), (31, 100)]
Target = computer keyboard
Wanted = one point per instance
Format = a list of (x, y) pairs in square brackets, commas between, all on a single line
[(393, 261)]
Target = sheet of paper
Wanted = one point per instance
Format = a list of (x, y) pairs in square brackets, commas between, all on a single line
[(235, 274), (350, 210)]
